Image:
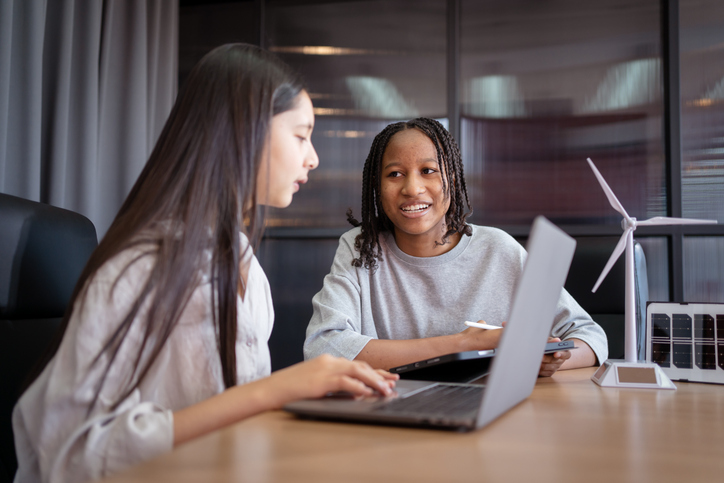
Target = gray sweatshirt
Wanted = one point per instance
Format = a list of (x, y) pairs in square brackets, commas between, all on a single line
[(410, 297)]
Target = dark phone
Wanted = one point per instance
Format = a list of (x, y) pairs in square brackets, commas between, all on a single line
[(564, 345)]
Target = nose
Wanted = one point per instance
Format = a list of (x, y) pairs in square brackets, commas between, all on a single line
[(311, 160), (413, 185)]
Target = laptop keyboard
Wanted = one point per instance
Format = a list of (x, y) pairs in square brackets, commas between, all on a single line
[(441, 400)]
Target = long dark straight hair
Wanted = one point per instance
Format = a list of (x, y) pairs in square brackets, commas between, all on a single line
[(374, 220), (195, 196)]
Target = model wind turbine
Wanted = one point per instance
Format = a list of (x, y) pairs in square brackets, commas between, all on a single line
[(631, 372)]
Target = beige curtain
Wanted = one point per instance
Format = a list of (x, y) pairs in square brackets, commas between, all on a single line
[(85, 87)]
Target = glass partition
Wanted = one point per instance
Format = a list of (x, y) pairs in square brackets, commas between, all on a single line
[(703, 269), (545, 87), (702, 108), (204, 25), (656, 250), (366, 64), (702, 133)]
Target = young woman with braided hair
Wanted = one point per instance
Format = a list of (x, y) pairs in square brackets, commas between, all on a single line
[(412, 271)]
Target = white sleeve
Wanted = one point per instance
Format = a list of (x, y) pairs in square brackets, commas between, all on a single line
[(57, 439), (111, 442)]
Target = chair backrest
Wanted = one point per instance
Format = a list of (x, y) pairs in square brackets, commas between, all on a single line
[(607, 305), (43, 250)]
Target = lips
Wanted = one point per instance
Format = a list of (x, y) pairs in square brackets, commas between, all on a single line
[(416, 208), (298, 183)]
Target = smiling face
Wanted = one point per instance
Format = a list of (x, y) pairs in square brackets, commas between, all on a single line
[(411, 192), (290, 154)]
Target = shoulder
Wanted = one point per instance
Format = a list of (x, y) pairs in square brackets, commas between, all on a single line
[(114, 287), (346, 244), (346, 251), (495, 246), (127, 270), (350, 236), (491, 235)]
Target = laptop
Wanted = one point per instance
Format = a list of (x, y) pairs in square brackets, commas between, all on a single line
[(514, 369)]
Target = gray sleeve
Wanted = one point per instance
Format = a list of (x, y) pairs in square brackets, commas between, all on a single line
[(572, 322), (336, 324)]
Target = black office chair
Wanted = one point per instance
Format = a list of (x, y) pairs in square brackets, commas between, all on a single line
[(43, 250), (607, 305)]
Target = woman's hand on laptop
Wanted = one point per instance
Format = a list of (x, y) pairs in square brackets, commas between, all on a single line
[(326, 374), (552, 362)]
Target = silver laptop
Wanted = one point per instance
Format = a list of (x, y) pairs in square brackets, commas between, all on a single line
[(514, 369)]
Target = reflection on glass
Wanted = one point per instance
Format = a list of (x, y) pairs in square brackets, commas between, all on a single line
[(702, 99), (703, 269), (494, 96), (656, 250), (629, 84), (377, 97), (542, 89), (366, 64)]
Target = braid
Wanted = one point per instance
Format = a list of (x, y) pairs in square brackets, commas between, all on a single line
[(374, 220)]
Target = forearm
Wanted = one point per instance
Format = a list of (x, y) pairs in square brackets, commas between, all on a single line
[(582, 356), (230, 406), (386, 354), (309, 379)]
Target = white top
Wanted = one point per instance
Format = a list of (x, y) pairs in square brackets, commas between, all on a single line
[(57, 441)]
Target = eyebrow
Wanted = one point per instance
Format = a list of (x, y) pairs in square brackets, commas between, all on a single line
[(422, 161)]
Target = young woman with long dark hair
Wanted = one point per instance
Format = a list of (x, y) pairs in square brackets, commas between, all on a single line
[(166, 335), (413, 270)]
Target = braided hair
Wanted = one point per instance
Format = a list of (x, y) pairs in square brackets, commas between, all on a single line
[(374, 220)]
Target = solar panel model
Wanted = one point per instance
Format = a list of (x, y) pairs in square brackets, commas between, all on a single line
[(686, 340)]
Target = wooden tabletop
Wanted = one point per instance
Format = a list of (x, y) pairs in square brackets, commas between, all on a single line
[(569, 429)]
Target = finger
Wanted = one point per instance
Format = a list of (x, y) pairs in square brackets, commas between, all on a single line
[(370, 377), (339, 368), (545, 371), (550, 368), (563, 355), (354, 386), (387, 375), (559, 356)]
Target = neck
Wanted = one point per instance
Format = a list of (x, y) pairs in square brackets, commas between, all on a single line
[(425, 245)]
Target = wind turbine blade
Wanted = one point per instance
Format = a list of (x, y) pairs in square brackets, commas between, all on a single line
[(666, 220), (620, 247), (609, 192)]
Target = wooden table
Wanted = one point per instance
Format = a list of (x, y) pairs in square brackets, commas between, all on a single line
[(569, 429)]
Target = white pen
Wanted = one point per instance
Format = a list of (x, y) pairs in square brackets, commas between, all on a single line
[(481, 326)]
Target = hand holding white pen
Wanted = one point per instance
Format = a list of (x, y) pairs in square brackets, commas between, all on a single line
[(481, 326)]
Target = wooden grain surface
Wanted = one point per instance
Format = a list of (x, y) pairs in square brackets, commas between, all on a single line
[(569, 429)]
